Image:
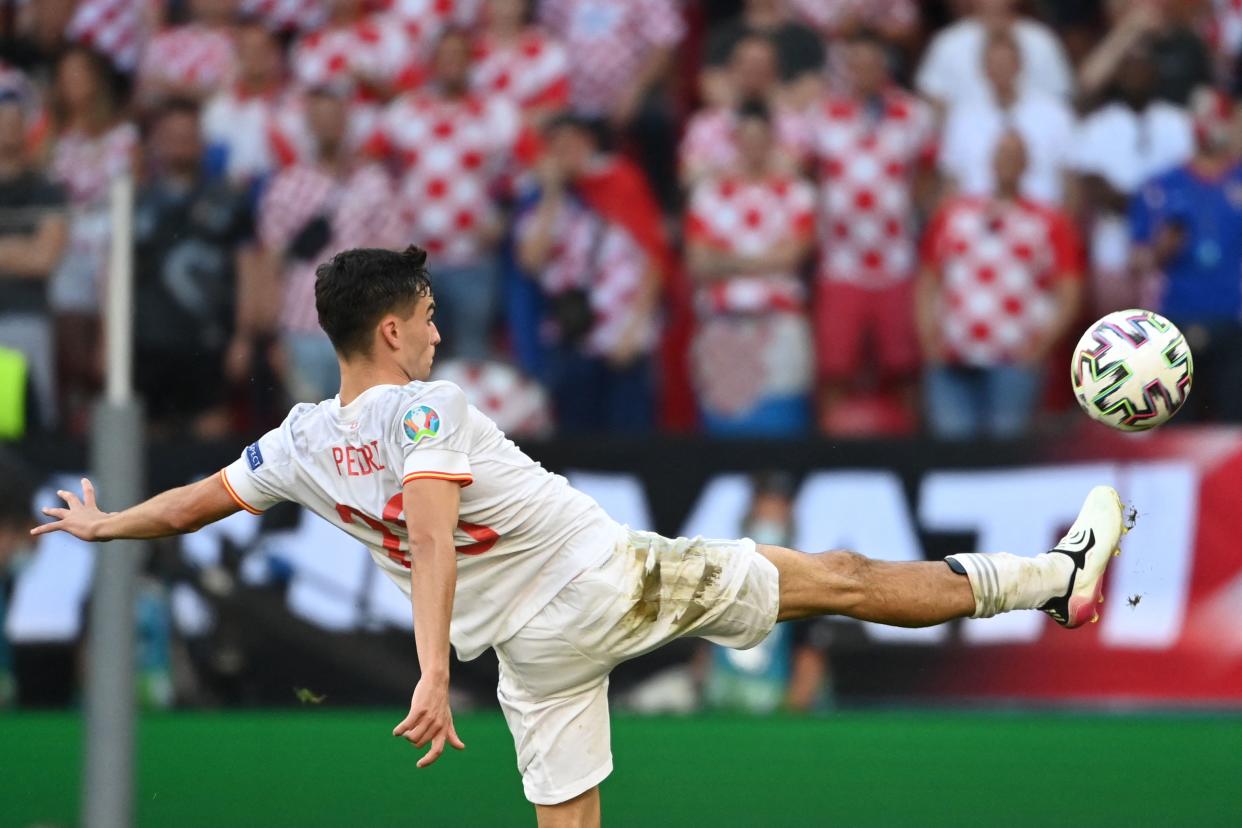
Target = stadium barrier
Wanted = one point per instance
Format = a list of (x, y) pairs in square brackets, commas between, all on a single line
[(302, 603)]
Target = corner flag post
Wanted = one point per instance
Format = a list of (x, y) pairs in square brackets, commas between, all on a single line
[(117, 468)]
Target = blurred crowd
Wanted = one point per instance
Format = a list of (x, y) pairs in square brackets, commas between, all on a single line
[(756, 218)]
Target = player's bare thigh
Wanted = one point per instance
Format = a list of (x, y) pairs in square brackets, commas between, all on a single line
[(908, 594), (580, 812)]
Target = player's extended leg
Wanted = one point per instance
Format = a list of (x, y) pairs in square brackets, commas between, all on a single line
[(580, 812), (1066, 582)]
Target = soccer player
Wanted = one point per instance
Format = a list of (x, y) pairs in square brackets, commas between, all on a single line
[(494, 551)]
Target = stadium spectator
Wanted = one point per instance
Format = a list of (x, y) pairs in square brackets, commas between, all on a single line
[(368, 52), (799, 50), (708, 146), (838, 20), (1116, 149), (601, 279), (251, 126), (115, 29), (621, 51), (454, 147), (973, 128), (33, 234), (192, 240), (287, 15), (92, 145), (1224, 38), (34, 34), (17, 518), (757, 680), (952, 70), (872, 146), (1187, 225), (520, 61), (1001, 284), (193, 59), (748, 233), (516, 403), (1183, 62), (426, 21), (332, 202)]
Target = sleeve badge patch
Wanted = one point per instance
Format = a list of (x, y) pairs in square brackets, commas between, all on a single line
[(254, 457), (419, 422)]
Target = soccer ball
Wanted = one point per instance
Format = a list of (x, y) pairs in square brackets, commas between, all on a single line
[(1132, 370)]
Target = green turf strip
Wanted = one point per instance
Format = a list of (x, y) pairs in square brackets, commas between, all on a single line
[(318, 767)]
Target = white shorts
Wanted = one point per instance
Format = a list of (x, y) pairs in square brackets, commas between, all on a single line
[(650, 591)]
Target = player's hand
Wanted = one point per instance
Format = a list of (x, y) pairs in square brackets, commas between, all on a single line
[(81, 519), (430, 720)]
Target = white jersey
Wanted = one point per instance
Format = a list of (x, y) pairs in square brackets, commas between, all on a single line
[(523, 532)]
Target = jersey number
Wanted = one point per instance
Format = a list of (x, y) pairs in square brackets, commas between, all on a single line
[(484, 537)]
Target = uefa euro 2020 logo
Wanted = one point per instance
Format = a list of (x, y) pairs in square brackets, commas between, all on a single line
[(421, 421)]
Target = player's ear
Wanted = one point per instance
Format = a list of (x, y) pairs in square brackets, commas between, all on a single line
[(390, 332)]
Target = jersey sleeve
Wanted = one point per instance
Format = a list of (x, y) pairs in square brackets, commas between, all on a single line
[(433, 431), (262, 476)]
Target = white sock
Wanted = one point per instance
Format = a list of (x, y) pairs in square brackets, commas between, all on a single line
[(1002, 582)]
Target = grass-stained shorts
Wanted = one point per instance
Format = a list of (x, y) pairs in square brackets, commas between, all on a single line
[(649, 591)]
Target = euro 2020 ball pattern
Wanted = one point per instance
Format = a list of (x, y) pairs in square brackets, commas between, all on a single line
[(1132, 370)]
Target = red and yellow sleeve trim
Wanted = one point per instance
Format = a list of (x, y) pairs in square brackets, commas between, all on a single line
[(463, 479), (224, 478)]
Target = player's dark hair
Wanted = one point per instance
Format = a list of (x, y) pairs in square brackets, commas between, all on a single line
[(356, 288)]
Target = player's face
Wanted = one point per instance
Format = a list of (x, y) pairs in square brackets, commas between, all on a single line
[(421, 337)]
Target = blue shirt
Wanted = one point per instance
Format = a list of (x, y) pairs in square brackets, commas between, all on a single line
[(1203, 281)]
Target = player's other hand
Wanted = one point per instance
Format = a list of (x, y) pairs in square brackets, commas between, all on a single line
[(430, 720), (81, 519)]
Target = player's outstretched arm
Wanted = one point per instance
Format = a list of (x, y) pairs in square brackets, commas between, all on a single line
[(174, 512), (431, 508)]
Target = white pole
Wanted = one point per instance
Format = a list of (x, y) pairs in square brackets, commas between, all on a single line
[(117, 466), (119, 298)]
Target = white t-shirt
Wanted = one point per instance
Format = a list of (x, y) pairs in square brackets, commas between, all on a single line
[(1126, 148), (973, 129), (523, 532), (952, 71)]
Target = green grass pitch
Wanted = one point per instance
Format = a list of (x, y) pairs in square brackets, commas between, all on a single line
[(319, 767)]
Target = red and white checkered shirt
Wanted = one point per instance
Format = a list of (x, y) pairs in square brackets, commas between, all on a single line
[(425, 20), (608, 41), (363, 214), (453, 152), (377, 48), (611, 268), (87, 165), (288, 15), (257, 134), (532, 71), (194, 56), (750, 218), (709, 148), (117, 28), (999, 264), (866, 186)]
